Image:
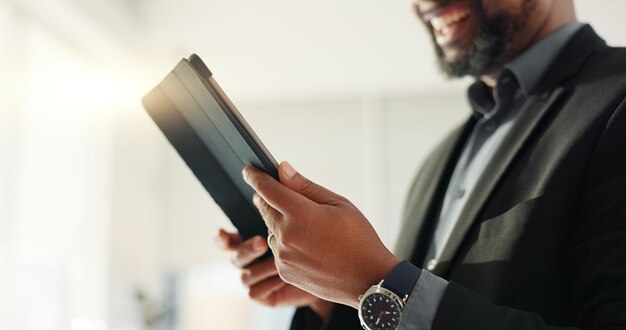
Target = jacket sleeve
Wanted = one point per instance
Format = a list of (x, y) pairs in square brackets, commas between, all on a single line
[(597, 253), (462, 309), (341, 318), (306, 319), (418, 313)]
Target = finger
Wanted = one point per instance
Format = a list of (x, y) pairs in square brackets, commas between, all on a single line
[(311, 190), (226, 240), (288, 295), (280, 197), (268, 213), (277, 298), (248, 251), (264, 289), (258, 272)]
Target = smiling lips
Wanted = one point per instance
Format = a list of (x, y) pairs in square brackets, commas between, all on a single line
[(446, 23)]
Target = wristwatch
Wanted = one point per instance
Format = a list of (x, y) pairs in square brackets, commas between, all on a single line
[(380, 307)]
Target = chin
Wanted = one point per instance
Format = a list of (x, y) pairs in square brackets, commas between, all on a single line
[(452, 57)]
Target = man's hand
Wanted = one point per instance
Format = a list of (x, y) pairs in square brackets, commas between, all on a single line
[(323, 244), (261, 278)]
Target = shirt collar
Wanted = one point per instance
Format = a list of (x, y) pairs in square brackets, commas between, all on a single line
[(529, 67), (523, 72)]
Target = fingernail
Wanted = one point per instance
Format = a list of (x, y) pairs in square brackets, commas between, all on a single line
[(244, 174), (289, 170), (256, 199), (258, 244)]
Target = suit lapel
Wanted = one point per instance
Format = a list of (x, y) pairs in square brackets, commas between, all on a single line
[(530, 116)]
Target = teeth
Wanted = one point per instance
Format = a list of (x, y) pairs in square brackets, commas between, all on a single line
[(441, 22)]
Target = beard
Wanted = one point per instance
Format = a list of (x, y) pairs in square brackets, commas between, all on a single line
[(495, 34)]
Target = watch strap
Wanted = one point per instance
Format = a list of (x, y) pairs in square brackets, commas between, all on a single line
[(402, 278)]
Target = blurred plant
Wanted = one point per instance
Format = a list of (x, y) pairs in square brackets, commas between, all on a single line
[(156, 315)]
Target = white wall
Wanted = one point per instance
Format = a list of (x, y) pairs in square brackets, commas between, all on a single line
[(285, 48)]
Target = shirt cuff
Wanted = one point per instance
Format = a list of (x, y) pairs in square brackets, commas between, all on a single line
[(422, 305)]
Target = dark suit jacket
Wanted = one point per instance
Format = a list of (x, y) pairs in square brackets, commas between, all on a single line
[(542, 241)]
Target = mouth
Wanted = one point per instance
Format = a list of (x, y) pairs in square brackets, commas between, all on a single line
[(450, 24)]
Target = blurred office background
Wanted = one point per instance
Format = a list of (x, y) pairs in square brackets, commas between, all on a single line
[(102, 226)]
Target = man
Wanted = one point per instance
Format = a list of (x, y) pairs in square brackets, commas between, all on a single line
[(518, 217)]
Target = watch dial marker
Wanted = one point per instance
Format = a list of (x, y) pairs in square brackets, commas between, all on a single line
[(379, 311)]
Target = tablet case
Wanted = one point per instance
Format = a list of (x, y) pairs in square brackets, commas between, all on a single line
[(213, 140)]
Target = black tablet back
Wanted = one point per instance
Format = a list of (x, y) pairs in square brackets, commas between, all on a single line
[(211, 139)]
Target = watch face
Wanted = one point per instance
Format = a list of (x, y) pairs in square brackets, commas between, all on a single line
[(378, 311)]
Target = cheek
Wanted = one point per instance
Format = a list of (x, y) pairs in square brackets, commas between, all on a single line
[(539, 10)]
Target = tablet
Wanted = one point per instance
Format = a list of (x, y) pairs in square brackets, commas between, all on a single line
[(213, 139)]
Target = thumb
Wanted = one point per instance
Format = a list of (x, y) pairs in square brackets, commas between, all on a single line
[(305, 187)]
